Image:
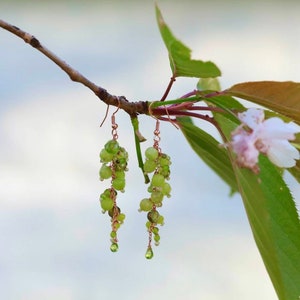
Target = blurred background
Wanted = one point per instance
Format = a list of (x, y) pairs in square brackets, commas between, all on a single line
[(54, 239)]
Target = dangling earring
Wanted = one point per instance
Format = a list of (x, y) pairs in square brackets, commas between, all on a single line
[(114, 159), (157, 163)]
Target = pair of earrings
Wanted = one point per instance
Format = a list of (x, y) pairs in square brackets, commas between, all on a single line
[(114, 159)]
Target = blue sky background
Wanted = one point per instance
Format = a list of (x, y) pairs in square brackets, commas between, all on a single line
[(54, 239)]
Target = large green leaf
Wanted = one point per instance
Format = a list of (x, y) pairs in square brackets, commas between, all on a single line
[(275, 225), (282, 97), (180, 55), (209, 151), (268, 202), (273, 219)]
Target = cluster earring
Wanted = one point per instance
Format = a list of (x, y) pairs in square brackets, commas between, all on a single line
[(158, 164), (114, 159)]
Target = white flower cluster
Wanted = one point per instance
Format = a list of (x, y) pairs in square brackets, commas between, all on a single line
[(271, 137)]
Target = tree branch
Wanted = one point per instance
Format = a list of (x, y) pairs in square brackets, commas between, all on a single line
[(132, 108)]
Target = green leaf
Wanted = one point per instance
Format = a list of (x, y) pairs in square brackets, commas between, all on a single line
[(268, 202), (209, 151), (227, 103), (273, 219), (180, 55), (275, 225), (282, 97)]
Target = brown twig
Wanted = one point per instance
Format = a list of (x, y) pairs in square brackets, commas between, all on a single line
[(132, 108)]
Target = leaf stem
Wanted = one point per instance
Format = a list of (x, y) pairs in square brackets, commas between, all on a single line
[(155, 104), (193, 93)]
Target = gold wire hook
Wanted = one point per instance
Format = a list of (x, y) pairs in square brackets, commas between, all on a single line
[(167, 112), (157, 138), (118, 107), (169, 117), (105, 117), (150, 110), (114, 125)]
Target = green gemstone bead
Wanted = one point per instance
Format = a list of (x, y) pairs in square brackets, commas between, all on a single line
[(105, 157), (114, 247), (113, 234), (164, 160), (120, 174), (166, 189), (119, 184), (156, 237), (122, 153), (106, 193), (112, 147), (148, 224), (161, 220), (151, 153), (146, 205), (158, 180), (112, 211), (157, 197), (149, 253), (105, 172), (153, 216), (155, 230), (121, 217), (106, 203), (149, 166)]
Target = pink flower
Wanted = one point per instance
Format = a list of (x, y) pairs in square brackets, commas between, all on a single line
[(270, 137)]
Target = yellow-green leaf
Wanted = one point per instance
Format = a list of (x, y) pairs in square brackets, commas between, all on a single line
[(180, 55)]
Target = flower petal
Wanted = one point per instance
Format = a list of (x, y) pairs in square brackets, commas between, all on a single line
[(252, 117), (270, 137), (282, 154), (243, 145), (275, 128)]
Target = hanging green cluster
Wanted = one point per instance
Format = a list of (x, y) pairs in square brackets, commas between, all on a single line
[(114, 160), (159, 164)]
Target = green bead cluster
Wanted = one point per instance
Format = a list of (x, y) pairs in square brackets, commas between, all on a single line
[(114, 160), (159, 164)]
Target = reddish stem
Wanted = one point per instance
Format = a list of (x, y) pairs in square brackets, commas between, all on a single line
[(165, 95), (171, 112), (193, 93)]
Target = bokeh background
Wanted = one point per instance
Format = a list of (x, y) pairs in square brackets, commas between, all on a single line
[(54, 239)]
